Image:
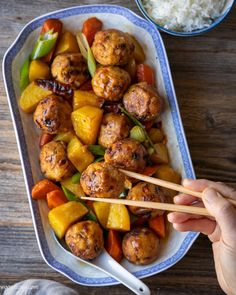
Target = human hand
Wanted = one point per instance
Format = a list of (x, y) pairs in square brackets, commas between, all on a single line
[(221, 229)]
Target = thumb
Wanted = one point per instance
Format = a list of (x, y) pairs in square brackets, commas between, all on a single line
[(224, 213)]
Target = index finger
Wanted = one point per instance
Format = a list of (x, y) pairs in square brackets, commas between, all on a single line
[(201, 184)]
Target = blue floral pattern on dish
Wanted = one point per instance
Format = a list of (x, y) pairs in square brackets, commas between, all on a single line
[(7, 70)]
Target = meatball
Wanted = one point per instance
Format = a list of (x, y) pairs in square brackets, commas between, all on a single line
[(141, 246), (143, 101), (54, 162), (70, 68), (112, 47), (114, 127), (144, 191), (101, 180), (85, 239), (110, 83), (126, 153), (53, 115)]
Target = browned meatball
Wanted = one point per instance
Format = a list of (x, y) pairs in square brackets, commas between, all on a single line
[(126, 153), (53, 115), (112, 48), (143, 101), (54, 162), (114, 127), (110, 83), (144, 191), (70, 68), (141, 246), (85, 239), (101, 180)]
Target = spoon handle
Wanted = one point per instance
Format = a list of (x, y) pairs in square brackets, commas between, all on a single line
[(105, 263), (118, 272)]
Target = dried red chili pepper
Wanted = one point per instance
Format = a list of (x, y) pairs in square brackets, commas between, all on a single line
[(56, 87)]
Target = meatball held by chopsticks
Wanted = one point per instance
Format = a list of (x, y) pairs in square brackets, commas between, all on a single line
[(101, 180), (144, 191)]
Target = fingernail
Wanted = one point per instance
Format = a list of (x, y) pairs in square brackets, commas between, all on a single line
[(175, 226), (210, 195), (187, 181), (169, 216), (176, 199)]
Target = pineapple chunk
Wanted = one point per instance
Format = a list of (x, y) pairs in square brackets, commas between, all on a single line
[(75, 188), (64, 136), (86, 122), (165, 172), (118, 218), (79, 155), (38, 70), (156, 135), (31, 96), (64, 215), (102, 211), (67, 44), (83, 98), (160, 156), (139, 54)]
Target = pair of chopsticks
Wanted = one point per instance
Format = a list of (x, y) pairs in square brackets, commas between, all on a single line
[(160, 206)]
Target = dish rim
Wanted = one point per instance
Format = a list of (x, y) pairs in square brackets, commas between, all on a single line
[(198, 32), (22, 147)]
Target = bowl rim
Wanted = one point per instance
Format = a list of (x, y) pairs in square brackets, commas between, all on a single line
[(198, 32), (22, 147)]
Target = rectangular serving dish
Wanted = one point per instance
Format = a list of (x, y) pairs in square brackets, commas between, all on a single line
[(173, 249)]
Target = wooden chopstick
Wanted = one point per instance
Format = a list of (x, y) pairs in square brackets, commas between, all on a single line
[(167, 184), (153, 205)]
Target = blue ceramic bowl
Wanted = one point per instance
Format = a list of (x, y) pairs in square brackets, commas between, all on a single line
[(229, 5)]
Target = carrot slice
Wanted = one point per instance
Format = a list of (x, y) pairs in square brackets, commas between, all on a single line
[(51, 23), (149, 171), (90, 27), (148, 124), (157, 224), (55, 25), (40, 190), (45, 138), (56, 198), (90, 204), (145, 74), (113, 245)]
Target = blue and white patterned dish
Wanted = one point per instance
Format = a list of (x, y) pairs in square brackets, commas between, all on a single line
[(121, 18), (228, 7)]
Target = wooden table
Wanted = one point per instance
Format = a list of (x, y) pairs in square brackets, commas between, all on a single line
[(204, 74)]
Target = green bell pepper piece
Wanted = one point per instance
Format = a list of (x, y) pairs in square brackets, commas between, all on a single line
[(24, 74), (96, 149), (44, 44), (76, 178)]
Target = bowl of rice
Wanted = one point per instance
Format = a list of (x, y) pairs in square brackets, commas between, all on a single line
[(185, 17)]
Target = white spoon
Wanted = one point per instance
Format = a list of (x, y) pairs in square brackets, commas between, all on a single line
[(107, 264)]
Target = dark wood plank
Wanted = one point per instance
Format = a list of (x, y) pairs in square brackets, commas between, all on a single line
[(204, 74)]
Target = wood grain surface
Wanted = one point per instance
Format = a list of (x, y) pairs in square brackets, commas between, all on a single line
[(204, 74)]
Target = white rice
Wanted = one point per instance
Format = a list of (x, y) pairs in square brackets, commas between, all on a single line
[(184, 15)]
